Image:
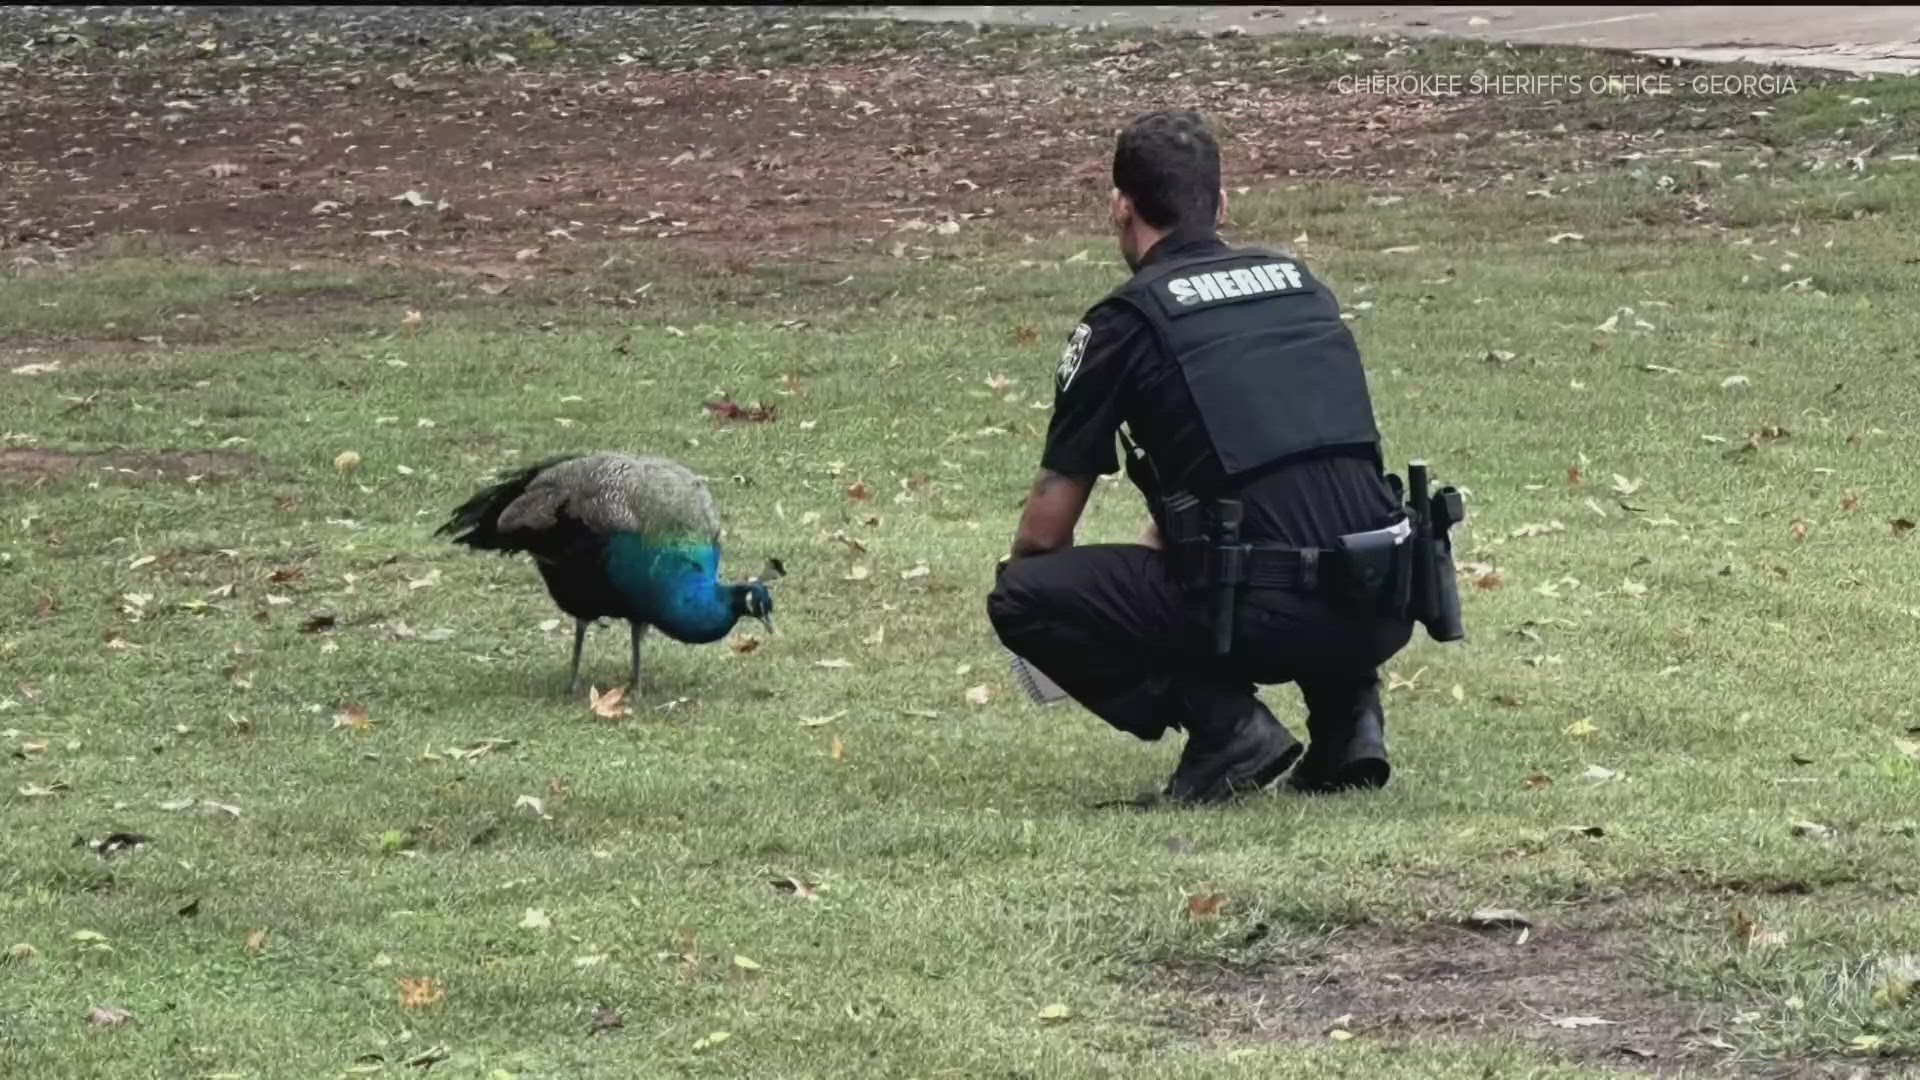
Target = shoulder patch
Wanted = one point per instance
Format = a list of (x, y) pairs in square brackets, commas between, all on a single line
[(1071, 355)]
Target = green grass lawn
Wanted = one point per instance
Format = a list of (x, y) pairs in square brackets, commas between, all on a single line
[(1680, 738)]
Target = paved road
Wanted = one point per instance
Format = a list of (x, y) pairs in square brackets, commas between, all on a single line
[(1884, 39)]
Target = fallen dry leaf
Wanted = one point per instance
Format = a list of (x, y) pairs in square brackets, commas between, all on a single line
[(1583, 1022), (1204, 905), (354, 717), (744, 645), (1497, 919), (419, 993), (821, 721), (1055, 1013), (108, 1016), (834, 665), (838, 750), (1753, 935), (745, 963), (804, 890), (728, 409), (1798, 529), (859, 491), (979, 695), (257, 942), (346, 462), (1901, 526), (536, 919), (610, 705)]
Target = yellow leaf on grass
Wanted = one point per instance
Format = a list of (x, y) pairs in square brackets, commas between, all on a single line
[(257, 942), (745, 963), (1581, 728), (1056, 1012)]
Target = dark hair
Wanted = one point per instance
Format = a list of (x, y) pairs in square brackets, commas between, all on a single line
[(1168, 164)]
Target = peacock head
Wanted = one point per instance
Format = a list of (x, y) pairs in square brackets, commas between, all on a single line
[(754, 600)]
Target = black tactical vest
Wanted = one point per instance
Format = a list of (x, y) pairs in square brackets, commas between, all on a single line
[(1272, 367)]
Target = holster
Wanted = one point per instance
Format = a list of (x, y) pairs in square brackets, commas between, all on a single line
[(1436, 591)]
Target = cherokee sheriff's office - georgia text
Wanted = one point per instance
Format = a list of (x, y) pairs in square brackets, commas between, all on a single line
[(1559, 84)]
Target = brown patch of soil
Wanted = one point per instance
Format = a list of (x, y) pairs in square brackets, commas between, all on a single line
[(32, 464), (769, 163), (1440, 980)]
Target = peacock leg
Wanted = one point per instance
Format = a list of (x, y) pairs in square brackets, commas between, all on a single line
[(573, 673), (639, 631)]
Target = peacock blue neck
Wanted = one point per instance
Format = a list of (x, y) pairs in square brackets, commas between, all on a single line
[(672, 584)]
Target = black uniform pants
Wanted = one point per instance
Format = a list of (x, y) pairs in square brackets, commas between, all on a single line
[(1109, 623)]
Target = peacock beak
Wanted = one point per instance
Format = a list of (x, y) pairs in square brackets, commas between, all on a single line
[(767, 621)]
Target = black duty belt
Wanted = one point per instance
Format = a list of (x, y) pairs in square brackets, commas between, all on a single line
[(1292, 569), (1273, 566)]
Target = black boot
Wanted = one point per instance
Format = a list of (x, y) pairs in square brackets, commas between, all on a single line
[(1229, 751), (1347, 729)]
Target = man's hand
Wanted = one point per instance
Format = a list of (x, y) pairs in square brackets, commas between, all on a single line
[(1052, 511), (1151, 538)]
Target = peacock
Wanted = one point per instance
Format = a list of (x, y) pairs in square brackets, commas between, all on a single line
[(617, 536)]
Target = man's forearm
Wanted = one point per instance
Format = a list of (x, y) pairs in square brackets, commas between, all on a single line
[(1052, 510)]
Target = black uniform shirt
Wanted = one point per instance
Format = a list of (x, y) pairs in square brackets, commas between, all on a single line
[(1113, 372)]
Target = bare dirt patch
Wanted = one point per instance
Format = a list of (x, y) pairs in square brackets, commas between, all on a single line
[(507, 165), (723, 134), (1569, 991), (30, 464)]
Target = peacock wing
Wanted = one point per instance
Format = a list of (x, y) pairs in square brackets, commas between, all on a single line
[(668, 501), (614, 493)]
